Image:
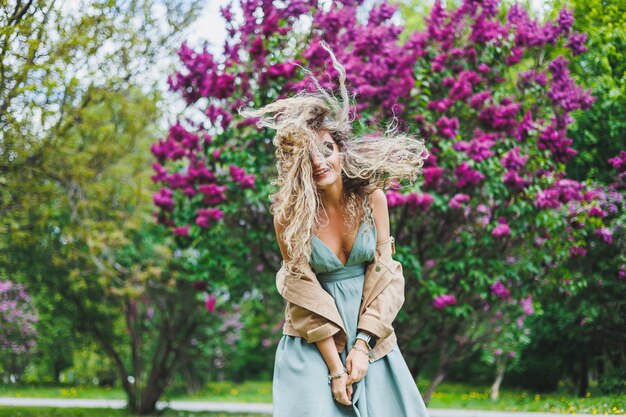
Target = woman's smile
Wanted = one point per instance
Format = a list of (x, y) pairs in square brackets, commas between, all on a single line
[(321, 174)]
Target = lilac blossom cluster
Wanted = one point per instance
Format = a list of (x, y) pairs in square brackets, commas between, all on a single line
[(442, 301), (19, 318), (196, 177)]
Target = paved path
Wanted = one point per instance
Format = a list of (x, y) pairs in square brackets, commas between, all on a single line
[(258, 408)]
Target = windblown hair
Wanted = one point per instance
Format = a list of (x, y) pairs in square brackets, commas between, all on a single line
[(367, 162)]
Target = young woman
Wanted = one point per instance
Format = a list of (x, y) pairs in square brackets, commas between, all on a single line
[(338, 356)]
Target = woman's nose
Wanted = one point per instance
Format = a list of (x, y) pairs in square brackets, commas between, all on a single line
[(317, 160)]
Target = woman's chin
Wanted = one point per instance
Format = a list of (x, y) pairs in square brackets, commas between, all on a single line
[(325, 182)]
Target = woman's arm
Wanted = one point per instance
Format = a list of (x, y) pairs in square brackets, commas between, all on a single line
[(328, 349), (380, 212), (326, 346), (340, 390), (279, 229)]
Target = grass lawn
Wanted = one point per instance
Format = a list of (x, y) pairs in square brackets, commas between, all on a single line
[(94, 412), (449, 395)]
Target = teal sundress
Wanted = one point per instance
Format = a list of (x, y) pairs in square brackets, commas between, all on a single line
[(300, 381)]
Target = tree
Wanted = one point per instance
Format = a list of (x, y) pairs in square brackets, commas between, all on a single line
[(78, 114)]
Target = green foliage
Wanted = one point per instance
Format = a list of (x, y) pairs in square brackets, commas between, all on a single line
[(599, 132), (78, 112)]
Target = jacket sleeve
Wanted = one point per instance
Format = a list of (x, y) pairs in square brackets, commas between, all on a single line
[(311, 326), (378, 316)]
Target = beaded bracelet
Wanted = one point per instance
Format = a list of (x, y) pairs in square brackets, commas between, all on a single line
[(337, 375)]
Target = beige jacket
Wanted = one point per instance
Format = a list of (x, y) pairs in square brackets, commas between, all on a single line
[(311, 312)]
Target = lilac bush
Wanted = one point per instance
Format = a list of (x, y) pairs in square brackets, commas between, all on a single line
[(489, 87)]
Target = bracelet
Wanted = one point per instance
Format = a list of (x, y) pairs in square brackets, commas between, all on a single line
[(361, 350), (337, 375)]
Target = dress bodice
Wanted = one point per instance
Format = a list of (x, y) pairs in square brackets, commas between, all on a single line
[(324, 261)]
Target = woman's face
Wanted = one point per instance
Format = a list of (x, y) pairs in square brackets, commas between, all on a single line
[(325, 163)]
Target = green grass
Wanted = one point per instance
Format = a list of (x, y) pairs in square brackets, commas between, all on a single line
[(95, 412), (449, 395), (44, 391), (246, 392)]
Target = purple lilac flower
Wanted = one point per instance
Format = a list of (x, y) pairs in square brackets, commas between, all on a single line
[(498, 289), (596, 212), (512, 160), (563, 91), (211, 213), (605, 233), (576, 43), (527, 305), (463, 86), (163, 199), (525, 126), (395, 199), (503, 117), (440, 106), (421, 201), (167, 149), (181, 230), (502, 229), (214, 194), (485, 29), (565, 20), (448, 127), (479, 147), (210, 302), (554, 140), (619, 162), (444, 300), (576, 251), (458, 200), (466, 175), (478, 100), (161, 173), (177, 181), (547, 199)]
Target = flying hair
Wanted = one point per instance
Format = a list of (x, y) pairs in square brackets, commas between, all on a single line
[(367, 161)]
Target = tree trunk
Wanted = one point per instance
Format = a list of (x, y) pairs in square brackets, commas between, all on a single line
[(495, 387), (192, 384), (583, 377), (437, 380)]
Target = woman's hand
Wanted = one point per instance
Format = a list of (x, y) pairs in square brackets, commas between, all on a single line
[(357, 362), (341, 393)]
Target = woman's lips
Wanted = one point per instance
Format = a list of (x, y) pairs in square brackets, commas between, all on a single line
[(322, 174)]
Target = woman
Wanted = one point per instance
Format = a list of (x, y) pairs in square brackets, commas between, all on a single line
[(338, 356)]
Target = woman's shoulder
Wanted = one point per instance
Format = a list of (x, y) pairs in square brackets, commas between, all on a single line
[(378, 196)]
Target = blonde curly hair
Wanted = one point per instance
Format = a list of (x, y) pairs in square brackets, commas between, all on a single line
[(367, 161)]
